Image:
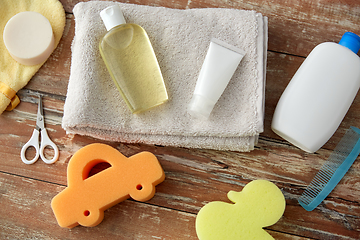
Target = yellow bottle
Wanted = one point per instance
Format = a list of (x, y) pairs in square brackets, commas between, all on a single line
[(131, 61)]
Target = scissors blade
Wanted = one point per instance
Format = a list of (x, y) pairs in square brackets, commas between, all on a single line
[(40, 116)]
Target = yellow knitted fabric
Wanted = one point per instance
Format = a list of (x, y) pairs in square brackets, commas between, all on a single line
[(13, 74)]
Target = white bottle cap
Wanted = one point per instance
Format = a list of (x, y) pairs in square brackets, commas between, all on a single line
[(200, 106), (112, 16), (29, 38)]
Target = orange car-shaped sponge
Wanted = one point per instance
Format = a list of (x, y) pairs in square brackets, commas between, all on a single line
[(85, 198)]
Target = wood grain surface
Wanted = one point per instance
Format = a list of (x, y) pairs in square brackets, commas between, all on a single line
[(194, 177)]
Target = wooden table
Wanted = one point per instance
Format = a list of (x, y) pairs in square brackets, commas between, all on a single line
[(194, 177)]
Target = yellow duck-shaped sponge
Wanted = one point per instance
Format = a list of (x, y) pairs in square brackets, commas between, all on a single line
[(260, 204)]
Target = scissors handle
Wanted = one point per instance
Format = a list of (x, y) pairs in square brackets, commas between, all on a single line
[(33, 142), (45, 141)]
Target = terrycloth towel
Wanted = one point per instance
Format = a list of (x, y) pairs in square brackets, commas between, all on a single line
[(13, 75), (180, 39)]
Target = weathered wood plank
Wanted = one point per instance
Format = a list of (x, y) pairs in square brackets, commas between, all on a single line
[(26, 214), (193, 176)]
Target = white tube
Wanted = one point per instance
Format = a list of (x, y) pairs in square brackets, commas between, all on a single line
[(219, 66)]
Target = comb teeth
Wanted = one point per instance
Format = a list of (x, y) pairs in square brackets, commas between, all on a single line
[(330, 174)]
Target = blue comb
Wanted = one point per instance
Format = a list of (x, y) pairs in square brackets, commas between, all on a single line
[(330, 174)]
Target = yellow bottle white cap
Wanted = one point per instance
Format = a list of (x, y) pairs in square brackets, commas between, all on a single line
[(29, 38)]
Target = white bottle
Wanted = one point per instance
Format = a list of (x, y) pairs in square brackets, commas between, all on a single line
[(319, 95)]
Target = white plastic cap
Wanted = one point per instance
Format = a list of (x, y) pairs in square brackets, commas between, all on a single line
[(200, 106), (112, 16)]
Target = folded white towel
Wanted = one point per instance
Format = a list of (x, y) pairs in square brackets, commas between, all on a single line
[(180, 39)]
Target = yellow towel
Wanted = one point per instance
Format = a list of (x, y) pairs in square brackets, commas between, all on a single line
[(13, 75)]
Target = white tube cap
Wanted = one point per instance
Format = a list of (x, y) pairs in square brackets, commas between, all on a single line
[(29, 38), (112, 16), (200, 106)]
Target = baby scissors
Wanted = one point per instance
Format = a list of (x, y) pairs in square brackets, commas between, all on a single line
[(34, 140)]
